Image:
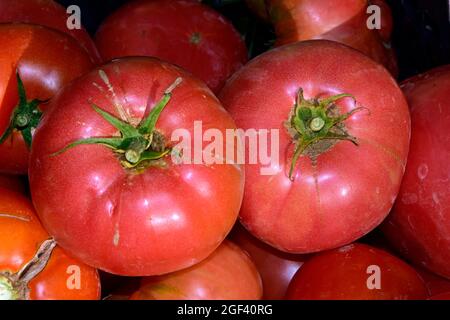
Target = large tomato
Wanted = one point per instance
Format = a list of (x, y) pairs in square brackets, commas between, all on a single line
[(419, 226), (275, 267), (127, 205), (47, 13), (45, 60), (185, 33), (31, 267), (337, 20), (356, 272), (227, 274), (319, 191)]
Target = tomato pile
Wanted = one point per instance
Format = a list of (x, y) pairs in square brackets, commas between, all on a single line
[(169, 163)]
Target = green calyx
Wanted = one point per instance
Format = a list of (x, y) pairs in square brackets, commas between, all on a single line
[(7, 289), (315, 125), (14, 286), (136, 144), (26, 116)]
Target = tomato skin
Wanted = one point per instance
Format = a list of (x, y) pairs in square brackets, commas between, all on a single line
[(275, 267), (173, 24), (354, 185), (167, 218), (435, 284), (442, 296), (21, 235), (227, 274), (46, 60), (342, 274), (337, 20), (46, 13), (419, 226)]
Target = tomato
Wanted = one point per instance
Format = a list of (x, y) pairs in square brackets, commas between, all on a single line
[(133, 208), (442, 296), (46, 60), (319, 191), (47, 13), (14, 183), (275, 267), (356, 272), (227, 274), (185, 33), (435, 284), (337, 20), (53, 275), (419, 226)]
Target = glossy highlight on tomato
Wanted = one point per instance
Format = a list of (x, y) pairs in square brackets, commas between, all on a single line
[(133, 219), (342, 154), (61, 278)]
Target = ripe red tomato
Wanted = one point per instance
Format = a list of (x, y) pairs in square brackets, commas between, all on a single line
[(356, 272), (337, 20), (46, 60), (336, 191), (13, 183), (25, 274), (442, 296), (139, 213), (275, 267), (47, 13), (227, 274), (435, 284), (419, 226), (185, 33)]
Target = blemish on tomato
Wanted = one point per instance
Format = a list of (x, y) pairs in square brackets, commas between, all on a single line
[(422, 172), (409, 198), (116, 236)]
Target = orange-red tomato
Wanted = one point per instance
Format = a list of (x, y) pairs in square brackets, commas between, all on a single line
[(227, 274), (21, 236), (356, 272), (46, 60)]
